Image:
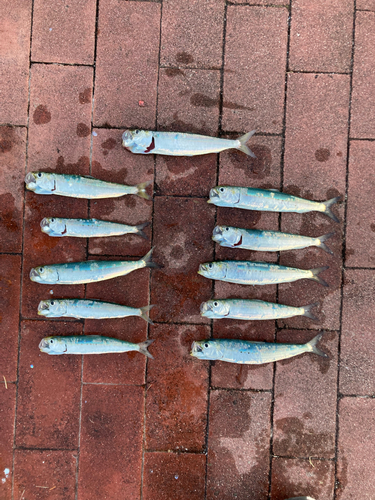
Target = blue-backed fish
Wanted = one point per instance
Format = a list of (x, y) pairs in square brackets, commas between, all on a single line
[(88, 228), (247, 352), (91, 344), (267, 241), (77, 186), (181, 144), (268, 201)]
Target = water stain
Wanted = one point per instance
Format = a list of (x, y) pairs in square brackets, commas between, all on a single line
[(339, 154), (172, 72), (130, 201), (349, 252), (372, 227), (177, 252), (322, 154), (202, 100), (83, 130), (5, 146), (85, 96), (233, 105), (259, 166), (99, 426), (9, 215), (184, 58), (41, 115), (108, 145), (80, 168), (181, 126)]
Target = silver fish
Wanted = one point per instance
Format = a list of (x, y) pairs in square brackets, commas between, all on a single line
[(88, 228), (77, 186), (246, 272), (268, 241), (247, 352), (73, 273), (89, 309), (268, 201), (252, 309), (91, 344), (181, 144)]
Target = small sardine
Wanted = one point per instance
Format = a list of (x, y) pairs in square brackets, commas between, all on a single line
[(73, 273), (89, 309), (91, 344), (257, 273), (268, 241), (77, 186), (268, 201), (181, 144), (247, 352), (88, 228), (252, 310)]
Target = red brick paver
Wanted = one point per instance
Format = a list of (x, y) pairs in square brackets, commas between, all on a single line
[(7, 412)]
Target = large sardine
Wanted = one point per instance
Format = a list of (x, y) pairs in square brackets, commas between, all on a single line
[(246, 272), (268, 241), (88, 228), (247, 352), (90, 271), (77, 186), (91, 344), (181, 144), (89, 309), (268, 201)]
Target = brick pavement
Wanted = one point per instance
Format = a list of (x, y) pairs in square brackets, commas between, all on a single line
[(121, 427)]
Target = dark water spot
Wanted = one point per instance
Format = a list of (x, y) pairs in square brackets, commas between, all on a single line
[(83, 130), (80, 168), (108, 145), (342, 476), (178, 125), (308, 415), (184, 58), (5, 146), (349, 252), (85, 96), (41, 115), (130, 201), (9, 214), (372, 226), (172, 72), (322, 154), (234, 105), (202, 100), (339, 153), (241, 375), (333, 193), (8, 138), (99, 426), (177, 252), (259, 167)]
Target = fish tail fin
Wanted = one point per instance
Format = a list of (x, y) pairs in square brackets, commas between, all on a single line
[(140, 228), (307, 311), (315, 275), (328, 204), (243, 140), (322, 245), (144, 315), (142, 346), (148, 262), (312, 346), (142, 190)]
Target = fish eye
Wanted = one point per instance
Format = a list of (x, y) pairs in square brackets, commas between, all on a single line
[(205, 345), (137, 131), (216, 304), (39, 174), (210, 266), (221, 190), (51, 341), (52, 302), (52, 220), (227, 229), (41, 269)]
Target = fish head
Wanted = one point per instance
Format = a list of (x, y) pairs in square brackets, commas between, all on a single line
[(227, 236), (52, 226), (137, 140), (52, 308), (53, 345), (40, 182), (204, 349), (213, 270), (224, 196), (44, 274), (215, 309)]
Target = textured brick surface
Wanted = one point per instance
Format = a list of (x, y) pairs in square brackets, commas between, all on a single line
[(360, 233), (10, 277), (357, 374), (64, 33), (127, 64), (15, 27), (363, 96), (48, 390), (321, 43), (238, 445), (12, 170), (192, 33), (167, 475), (254, 79), (7, 411), (45, 474), (292, 477), (356, 449), (176, 407), (110, 454), (365, 5), (305, 399)]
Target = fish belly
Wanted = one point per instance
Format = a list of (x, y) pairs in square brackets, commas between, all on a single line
[(98, 345), (271, 201), (90, 309), (90, 188), (259, 310), (92, 271), (257, 353), (91, 228), (179, 144), (272, 241)]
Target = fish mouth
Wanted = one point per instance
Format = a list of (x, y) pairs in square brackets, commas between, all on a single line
[(44, 222), (43, 306), (43, 344), (217, 234), (195, 347), (213, 196), (34, 275), (205, 307), (127, 138), (30, 180)]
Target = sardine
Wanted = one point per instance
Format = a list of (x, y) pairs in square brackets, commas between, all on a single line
[(268, 241), (77, 186), (91, 344), (89, 309), (88, 228), (73, 273), (252, 309), (246, 272), (247, 352), (181, 144), (268, 201)]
